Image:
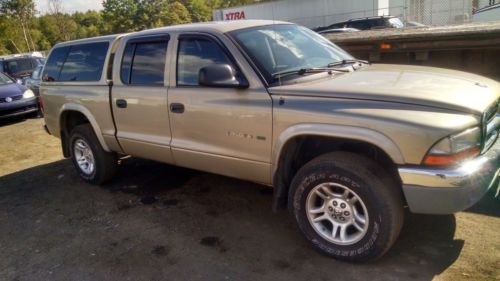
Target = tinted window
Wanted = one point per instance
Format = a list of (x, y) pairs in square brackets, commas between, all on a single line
[(19, 65), (54, 64), (144, 63), (127, 63), (85, 62), (195, 53), (361, 25)]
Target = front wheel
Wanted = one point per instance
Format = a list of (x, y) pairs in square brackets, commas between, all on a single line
[(347, 206), (92, 162)]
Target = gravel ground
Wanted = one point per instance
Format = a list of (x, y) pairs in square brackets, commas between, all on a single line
[(158, 222)]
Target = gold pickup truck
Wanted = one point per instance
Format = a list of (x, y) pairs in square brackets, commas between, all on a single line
[(345, 144)]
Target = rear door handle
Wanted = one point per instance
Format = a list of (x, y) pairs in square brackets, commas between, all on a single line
[(121, 103), (177, 107)]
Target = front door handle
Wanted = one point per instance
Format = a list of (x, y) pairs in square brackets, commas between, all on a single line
[(121, 103), (177, 107)]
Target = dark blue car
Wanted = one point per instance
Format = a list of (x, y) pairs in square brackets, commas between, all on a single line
[(15, 99)]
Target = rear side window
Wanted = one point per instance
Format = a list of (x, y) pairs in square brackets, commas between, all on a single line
[(143, 63), (84, 62), (54, 63)]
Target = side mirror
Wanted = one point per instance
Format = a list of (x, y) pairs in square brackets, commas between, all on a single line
[(220, 76)]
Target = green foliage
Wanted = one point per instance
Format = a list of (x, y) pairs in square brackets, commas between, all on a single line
[(121, 14), (199, 10), (23, 29), (176, 13)]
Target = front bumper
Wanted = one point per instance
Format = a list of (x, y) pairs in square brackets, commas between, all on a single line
[(20, 107), (435, 191)]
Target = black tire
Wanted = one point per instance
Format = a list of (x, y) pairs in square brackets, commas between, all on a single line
[(105, 163), (377, 190)]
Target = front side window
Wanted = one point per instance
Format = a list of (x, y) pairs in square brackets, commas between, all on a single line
[(195, 53), (54, 64), (143, 63), (85, 62), (286, 47)]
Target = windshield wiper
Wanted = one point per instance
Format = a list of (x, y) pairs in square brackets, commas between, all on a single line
[(303, 71), (344, 62)]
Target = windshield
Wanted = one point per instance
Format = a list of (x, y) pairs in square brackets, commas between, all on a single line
[(36, 73), (19, 65), (396, 22), (286, 47), (5, 80)]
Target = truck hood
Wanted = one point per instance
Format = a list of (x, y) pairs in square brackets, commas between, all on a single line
[(427, 86)]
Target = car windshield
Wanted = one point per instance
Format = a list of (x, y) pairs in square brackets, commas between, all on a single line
[(5, 80), (286, 47), (396, 22), (36, 73), (19, 65)]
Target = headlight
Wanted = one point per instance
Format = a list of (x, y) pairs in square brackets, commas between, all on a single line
[(28, 94), (455, 148)]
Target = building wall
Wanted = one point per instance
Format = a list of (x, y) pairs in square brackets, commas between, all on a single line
[(314, 13), (310, 13)]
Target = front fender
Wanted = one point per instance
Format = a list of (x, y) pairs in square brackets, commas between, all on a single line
[(338, 131)]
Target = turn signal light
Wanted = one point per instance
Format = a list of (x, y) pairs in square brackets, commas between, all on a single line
[(435, 160), (385, 46)]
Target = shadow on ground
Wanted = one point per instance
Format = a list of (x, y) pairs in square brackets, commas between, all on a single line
[(155, 221), (489, 205), (11, 121)]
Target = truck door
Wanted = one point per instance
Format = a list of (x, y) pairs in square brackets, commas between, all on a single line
[(221, 130), (139, 98)]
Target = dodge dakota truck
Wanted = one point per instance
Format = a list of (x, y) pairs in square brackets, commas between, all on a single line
[(346, 145)]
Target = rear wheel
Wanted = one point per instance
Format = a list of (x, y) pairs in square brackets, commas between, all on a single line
[(347, 206), (92, 162)]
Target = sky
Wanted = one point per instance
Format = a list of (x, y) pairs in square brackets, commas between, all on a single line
[(71, 5)]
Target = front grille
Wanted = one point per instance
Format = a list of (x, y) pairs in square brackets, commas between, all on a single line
[(14, 98), (492, 126), (492, 112), (17, 110)]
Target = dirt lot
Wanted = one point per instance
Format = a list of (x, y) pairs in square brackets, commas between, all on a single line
[(158, 222)]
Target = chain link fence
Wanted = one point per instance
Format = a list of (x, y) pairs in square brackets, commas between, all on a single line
[(427, 12), (438, 12)]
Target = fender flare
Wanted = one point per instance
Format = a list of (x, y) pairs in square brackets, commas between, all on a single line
[(338, 131), (83, 110), (367, 135)]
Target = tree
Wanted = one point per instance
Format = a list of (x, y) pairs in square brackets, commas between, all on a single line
[(150, 13), (65, 26), (176, 14), (121, 14), (199, 10), (21, 12), (22, 31)]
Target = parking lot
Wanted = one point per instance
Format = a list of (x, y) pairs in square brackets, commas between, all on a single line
[(158, 222)]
